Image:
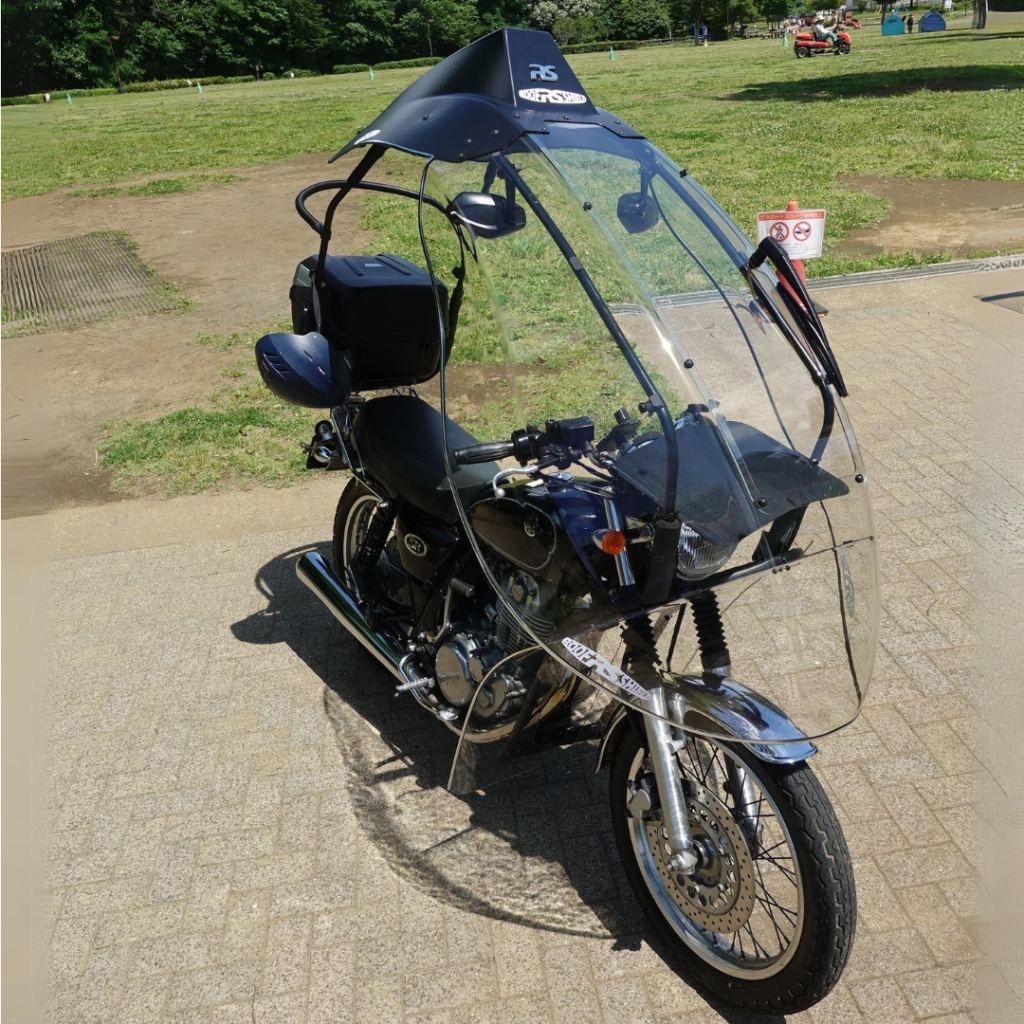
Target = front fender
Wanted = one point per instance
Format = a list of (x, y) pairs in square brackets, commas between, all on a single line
[(724, 708)]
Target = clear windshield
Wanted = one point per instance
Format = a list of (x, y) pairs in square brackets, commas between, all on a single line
[(708, 415)]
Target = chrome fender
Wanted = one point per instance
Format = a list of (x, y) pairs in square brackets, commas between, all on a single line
[(724, 709)]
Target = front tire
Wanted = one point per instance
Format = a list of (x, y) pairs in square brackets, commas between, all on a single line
[(779, 883)]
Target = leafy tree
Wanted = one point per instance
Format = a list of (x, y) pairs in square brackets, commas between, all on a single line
[(776, 10), (574, 30), (50, 44), (309, 39), (643, 19), (546, 12), (363, 28)]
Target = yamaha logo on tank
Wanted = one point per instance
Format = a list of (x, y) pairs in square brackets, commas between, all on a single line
[(415, 544)]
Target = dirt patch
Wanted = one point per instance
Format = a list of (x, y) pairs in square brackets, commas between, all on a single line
[(938, 215), (232, 249)]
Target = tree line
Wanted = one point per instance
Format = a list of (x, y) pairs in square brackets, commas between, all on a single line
[(55, 44)]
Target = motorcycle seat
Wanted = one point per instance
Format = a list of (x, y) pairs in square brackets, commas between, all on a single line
[(399, 438)]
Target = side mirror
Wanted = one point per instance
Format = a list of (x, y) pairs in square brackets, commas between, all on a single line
[(637, 212), (488, 216)]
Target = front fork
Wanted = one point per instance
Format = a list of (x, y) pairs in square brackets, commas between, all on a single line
[(663, 743)]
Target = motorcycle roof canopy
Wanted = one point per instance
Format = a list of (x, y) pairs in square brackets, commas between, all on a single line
[(482, 98)]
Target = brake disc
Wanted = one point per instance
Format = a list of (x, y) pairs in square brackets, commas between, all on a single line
[(719, 895)]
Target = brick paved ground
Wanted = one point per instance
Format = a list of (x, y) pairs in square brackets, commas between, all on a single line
[(246, 826)]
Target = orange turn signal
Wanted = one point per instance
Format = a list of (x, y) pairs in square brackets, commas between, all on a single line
[(613, 542)]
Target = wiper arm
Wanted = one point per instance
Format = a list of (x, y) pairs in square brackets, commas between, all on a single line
[(799, 302), (817, 374)]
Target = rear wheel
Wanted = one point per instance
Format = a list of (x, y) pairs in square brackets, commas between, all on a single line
[(351, 520), (767, 920), (385, 577), (802, 51)]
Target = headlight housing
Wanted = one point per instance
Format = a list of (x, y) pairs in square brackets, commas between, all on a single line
[(697, 557)]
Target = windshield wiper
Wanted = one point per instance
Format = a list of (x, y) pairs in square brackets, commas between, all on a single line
[(798, 301)]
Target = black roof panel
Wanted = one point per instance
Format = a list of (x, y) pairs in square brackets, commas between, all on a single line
[(480, 99)]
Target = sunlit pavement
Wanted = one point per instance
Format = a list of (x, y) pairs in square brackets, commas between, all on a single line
[(245, 825)]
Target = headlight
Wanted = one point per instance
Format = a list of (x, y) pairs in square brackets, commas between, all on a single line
[(698, 557)]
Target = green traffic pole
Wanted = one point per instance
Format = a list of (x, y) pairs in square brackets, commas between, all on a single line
[(371, 74), (611, 53), (69, 98), (200, 88)]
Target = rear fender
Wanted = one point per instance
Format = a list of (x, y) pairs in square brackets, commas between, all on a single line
[(722, 707)]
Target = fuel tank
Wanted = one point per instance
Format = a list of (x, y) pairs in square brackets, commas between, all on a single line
[(546, 531)]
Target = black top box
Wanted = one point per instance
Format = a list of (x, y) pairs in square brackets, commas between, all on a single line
[(381, 308)]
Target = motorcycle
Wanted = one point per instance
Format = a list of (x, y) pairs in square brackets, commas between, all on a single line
[(810, 44), (670, 499)]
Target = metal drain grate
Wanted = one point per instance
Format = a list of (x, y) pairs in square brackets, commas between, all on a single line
[(74, 281)]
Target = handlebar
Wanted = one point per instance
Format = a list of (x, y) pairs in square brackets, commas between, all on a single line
[(488, 451)]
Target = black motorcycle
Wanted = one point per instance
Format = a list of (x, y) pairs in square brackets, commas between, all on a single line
[(678, 502)]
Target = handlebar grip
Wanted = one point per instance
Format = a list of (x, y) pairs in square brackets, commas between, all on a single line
[(489, 451)]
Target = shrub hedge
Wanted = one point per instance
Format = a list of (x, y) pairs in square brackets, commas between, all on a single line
[(598, 47), (170, 83), (415, 62), (348, 69), (57, 94)]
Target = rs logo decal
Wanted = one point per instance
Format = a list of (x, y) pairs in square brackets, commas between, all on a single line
[(543, 73), (604, 668)]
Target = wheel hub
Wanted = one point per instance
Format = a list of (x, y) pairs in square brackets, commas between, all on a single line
[(719, 894)]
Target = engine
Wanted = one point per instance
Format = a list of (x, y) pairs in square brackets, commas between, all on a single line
[(467, 656), (462, 663)]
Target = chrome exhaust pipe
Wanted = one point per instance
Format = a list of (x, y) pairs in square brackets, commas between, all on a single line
[(317, 575)]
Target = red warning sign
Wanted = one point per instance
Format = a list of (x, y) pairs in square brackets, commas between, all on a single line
[(799, 232)]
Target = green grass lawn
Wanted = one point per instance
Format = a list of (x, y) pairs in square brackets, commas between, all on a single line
[(752, 124)]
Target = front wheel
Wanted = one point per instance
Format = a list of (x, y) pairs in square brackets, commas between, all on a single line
[(843, 48), (767, 919)]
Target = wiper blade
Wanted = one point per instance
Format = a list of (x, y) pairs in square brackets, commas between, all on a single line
[(799, 302)]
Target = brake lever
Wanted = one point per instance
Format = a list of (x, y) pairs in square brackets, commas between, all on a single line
[(554, 457)]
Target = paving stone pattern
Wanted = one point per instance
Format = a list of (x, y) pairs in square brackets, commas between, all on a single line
[(247, 826)]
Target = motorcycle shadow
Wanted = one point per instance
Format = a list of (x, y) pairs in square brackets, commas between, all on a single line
[(535, 849)]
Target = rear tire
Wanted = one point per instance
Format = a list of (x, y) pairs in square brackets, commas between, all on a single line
[(356, 499), (824, 920), (802, 51)]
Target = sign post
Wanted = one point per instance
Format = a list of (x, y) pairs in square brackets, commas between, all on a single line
[(799, 232)]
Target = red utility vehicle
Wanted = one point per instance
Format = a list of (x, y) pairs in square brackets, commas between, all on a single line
[(814, 43)]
